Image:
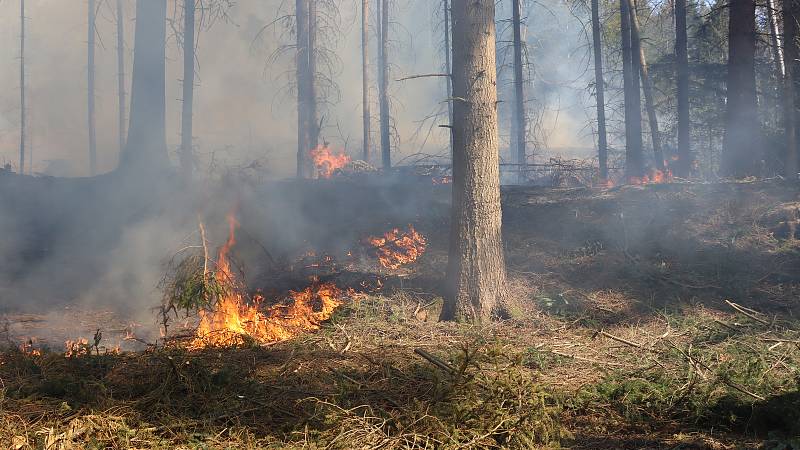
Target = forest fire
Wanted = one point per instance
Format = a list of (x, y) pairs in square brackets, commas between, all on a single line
[(397, 248), (235, 320), (326, 163)]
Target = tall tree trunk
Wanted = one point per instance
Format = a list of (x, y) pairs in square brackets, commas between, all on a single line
[(365, 79), (146, 147), (306, 95), (121, 73), (476, 275), (90, 83), (780, 70), (449, 71), (520, 129), (647, 87), (314, 131), (791, 13), (775, 39), (633, 120), (685, 158), (602, 139), (186, 157), (383, 83), (22, 87), (742, 150)]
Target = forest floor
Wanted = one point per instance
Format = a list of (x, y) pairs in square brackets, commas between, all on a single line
[(644, 317)]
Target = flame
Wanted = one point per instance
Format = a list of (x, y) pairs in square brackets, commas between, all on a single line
[(27, 348), (235, 321), (654, 177), (76, 348), (397, 248), (326, 163), (446, 179)]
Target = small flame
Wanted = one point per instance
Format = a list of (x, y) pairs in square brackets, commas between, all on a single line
[(654, 177), (326, 163), (27, 348), (446, 179), (76, 348), (397, 248), (234, 320)]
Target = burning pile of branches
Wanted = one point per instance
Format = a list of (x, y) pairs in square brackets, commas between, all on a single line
[(397, 248)]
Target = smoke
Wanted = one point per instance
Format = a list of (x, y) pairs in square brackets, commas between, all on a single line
[(105, 242)]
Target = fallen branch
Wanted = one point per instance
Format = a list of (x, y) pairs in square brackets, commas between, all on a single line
[(743, 310), (435, 361)]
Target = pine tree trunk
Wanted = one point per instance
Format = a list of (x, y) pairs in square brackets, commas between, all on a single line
[(90, 84), (476, 275), (520, 130), (641, 61), (448, 69), (22, 87), (602, 139), (186, 157), (775, 40), (121, 73), (685, 157), (742, 144), (365, 79), (314, 130), (633, 115), (146, 146), (791, 12), (383, 84), (305, 82)]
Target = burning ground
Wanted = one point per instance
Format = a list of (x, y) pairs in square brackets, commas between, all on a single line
[(653, 316)]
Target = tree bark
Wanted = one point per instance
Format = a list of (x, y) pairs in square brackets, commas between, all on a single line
[(22, 87), (449, 71), (121, 73), (520, 129), (742, 150), (647, 87), (685, 157), (602, 139), (476, 275), (791, 12), (90, 84), (306, 97), (365, 79), (146, 147), (383, 83), (775, 40), (186, 155), (633, 114)]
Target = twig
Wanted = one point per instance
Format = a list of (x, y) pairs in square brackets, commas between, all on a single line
[(435, 361), (742, 310), (426, 75)]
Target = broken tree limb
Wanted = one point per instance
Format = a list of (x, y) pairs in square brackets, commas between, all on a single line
[(435, 361), (742, 310)]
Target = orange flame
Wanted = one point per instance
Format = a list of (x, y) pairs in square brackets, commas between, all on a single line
[(397, 248), (326, 163), (235, 321), (446, 179), (655, 177)]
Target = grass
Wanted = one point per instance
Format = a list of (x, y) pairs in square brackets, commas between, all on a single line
[(620, 341)]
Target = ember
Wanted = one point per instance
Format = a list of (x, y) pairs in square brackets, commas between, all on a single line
[(326, 163), (397, 248), (235, 320)]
